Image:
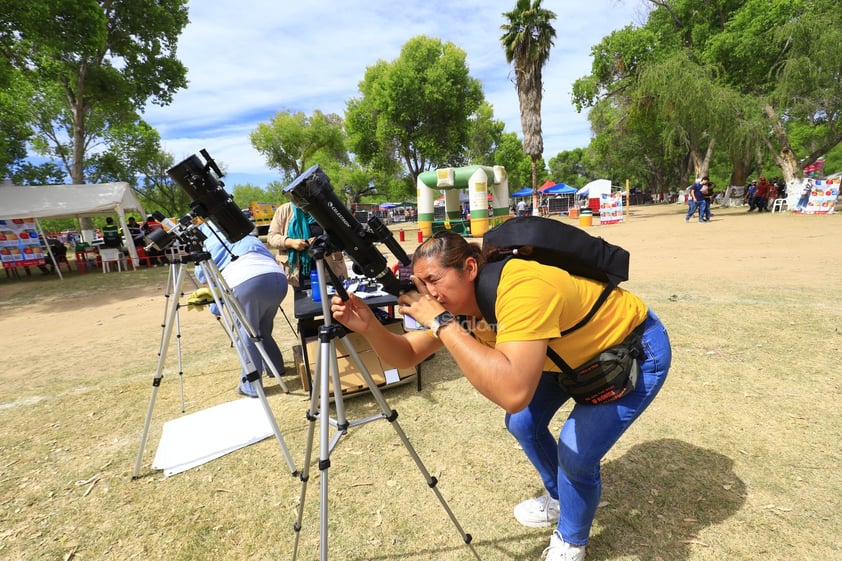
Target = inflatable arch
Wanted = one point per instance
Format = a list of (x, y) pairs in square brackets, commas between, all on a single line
[(476, 180)]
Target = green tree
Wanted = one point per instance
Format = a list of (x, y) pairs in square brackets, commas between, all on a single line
[(131, 148), (414, 113), (245, 194), (573, 167), (527, 39), (755, 79), (484, 136), (783, 57), (293, 142), (275, 192), (509, 154), (157, 190), (13, 122), (92, 64), (47, 173)]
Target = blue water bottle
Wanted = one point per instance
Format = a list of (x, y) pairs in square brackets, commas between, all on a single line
[(314, 286)]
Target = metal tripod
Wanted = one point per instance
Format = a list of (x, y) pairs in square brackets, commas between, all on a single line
[(172, 278), (328, 368), (232, 316)]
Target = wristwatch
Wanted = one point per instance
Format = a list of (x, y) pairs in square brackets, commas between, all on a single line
[(440, 321)]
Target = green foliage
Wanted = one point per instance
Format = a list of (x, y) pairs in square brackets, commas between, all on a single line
[(484, 136), (244, 195), (47, 173), (293, 142), (275, 192), (13, 122), (92, 65), (132, 149), (714, 78), (518, 164), (414, 112), (573, 167), (157, 191)]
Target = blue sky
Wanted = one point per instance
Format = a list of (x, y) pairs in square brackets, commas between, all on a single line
[(250, 59)]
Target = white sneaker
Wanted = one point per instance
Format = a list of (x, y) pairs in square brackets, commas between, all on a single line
[(540, 512), (560, 550)]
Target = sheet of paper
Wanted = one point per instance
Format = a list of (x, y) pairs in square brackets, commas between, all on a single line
[(392, 376)]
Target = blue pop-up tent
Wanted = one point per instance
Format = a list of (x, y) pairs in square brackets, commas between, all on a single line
[(525, 192), (560, 189)]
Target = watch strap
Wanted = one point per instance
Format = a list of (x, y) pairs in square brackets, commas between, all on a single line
[(440, 321)]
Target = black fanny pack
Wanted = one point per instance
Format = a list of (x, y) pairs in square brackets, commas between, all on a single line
[(607, 377)]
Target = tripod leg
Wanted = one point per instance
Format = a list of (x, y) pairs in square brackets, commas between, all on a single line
[(156, 380), (312, 414), (392, 416), (327, 356), (178, 334), (329, 369), (227, 304), (277, 431)]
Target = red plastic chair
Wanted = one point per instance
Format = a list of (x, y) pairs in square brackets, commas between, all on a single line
[(143, 257)]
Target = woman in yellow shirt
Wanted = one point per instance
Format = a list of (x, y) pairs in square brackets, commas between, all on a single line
[(508, 364)]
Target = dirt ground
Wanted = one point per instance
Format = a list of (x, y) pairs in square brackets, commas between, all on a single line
[(787, 250), (738, 458)]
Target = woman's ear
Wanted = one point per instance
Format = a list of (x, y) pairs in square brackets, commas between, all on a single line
[(471, 268)]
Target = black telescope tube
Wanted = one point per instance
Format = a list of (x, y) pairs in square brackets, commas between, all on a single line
[(209, 198), (313, 193)]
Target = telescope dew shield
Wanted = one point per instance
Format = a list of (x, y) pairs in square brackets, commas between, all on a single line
[(313, 193), (209, 199)]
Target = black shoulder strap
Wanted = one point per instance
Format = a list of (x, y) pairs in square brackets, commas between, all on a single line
[(486, 292), (596, 305), (486, 289)]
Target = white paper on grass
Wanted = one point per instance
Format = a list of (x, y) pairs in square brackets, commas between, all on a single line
[(197, 438)]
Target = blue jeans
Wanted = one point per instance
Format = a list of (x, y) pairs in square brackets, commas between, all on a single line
[(569, 468), (691, 209), (704, 210), (259, 297)]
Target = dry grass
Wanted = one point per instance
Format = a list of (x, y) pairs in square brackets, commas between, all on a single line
[(739, 457)]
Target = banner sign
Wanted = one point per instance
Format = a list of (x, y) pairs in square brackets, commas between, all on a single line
[(20, 245), (818, 196), (611, 208)]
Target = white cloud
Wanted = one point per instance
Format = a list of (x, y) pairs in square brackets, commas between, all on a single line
[(249, 59)]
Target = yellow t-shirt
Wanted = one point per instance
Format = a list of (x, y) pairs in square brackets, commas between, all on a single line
[(536, 301)]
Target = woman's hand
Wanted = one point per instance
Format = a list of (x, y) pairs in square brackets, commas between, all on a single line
[(352, 313), (419, 304), (297, 245)]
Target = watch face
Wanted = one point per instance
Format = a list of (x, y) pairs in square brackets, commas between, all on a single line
[(444, 317), (441, 320)]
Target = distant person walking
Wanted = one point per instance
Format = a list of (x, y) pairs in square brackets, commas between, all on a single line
[(761, 196), (695, 199)]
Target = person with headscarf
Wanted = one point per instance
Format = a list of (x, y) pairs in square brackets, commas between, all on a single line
[(291, 232)]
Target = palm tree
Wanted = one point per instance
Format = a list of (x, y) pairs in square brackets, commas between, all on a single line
[(527, 39)]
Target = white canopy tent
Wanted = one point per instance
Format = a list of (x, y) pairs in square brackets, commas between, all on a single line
[(70, 201), (595, 189)]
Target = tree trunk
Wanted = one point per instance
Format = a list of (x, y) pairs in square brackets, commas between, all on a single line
[(784, 156), (77, 164)]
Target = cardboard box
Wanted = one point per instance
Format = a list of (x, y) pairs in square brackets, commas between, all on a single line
[(350, 378)]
